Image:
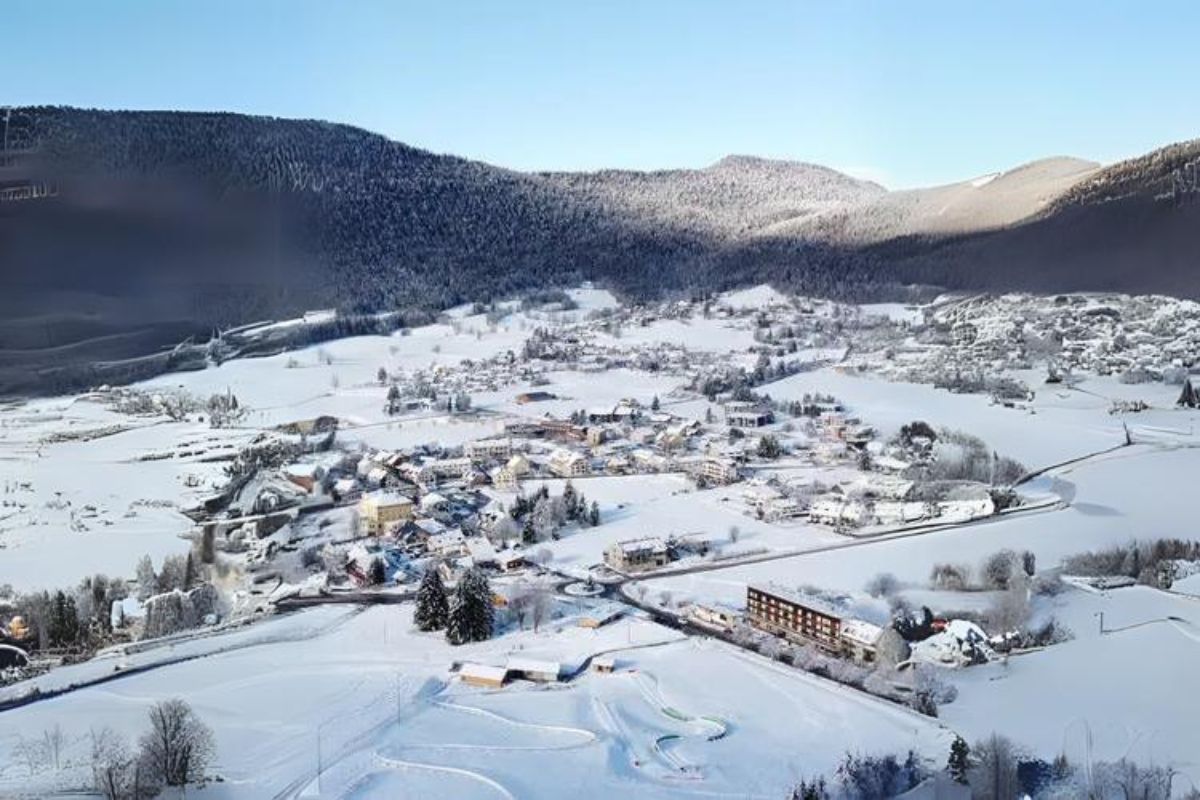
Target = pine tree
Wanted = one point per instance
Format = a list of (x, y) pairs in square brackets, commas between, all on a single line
[(960, 760), (189, 572), (146, 579), (570, 500), (433, 607), (378, 571), (654, 404), (1188, 397), (471, 612), (594, 514), (64, 619), (528, 530)]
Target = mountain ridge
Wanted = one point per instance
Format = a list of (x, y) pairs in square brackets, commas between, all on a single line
[(195, 220)]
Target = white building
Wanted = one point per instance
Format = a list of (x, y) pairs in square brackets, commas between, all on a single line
[(637, 555), (568, 464), (489, 449)]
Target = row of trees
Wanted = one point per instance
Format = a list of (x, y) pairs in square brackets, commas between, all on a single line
[(69, 618), (1153, 563), (994, 768), (541, 516), (175, 750)]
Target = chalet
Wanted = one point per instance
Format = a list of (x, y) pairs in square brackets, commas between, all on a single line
[(637, 555), (445, 468), (306, 476), (568, 464), (860, 640), (497, 449), (797, 618), (448, 544), (344, 488), (483, 675), (741, 414), (899, 512), (482, 553), (532, 669), (379, 510), (510, 560), (837, 509), (649, 461), (720, 617), (625, 411), (604, 664), (719, 471), (508, 476)]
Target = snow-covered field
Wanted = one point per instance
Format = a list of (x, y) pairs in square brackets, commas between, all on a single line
[(87, 489), (377, 701)]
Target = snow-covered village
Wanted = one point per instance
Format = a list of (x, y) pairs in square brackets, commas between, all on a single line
[(664, 399), (753, 544)]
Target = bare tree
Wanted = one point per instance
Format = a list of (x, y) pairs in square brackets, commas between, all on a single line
[(32, 752), (1127, 780), (541, 605), (117, 771), (179, 746), (54, 741), (993, 776)]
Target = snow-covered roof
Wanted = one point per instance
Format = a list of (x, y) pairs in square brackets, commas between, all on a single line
[(481, 549), (605, 612), (799, 598), (518, 664), (485, 672), (650, 543), (861, 632), (386, 497)]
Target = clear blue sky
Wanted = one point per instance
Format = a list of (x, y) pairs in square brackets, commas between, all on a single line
[(907, 93)]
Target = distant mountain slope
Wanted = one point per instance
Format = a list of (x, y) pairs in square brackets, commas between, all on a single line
[(737, 196), (986, 203), (1133, 227)]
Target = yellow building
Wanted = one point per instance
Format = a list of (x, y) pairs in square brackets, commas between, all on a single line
[(378, 510)]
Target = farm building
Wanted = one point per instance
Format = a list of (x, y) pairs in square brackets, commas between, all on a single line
[(600, 616), (483, 675), (532, 669)]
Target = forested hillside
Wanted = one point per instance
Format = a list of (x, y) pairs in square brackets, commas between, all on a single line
[(122, 231)]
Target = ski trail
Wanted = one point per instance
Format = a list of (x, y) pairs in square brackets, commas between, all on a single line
[(588, 736), (401, 764)]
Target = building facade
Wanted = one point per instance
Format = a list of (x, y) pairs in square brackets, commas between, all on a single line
[(379, 510), (637, 555), (798, 619)]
